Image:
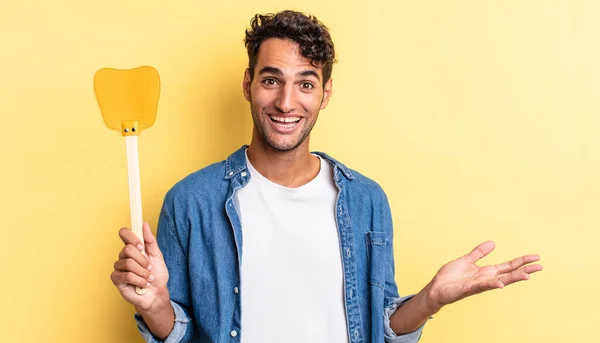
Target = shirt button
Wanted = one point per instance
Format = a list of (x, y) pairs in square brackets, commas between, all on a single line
[(350, 294), (230, 173), (348, 252), (356, 334), (236, 290), (244, 174), (233, 333)]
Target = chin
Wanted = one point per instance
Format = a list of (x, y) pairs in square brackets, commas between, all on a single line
[(283, 146)]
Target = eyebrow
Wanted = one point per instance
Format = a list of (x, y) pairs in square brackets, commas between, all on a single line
[(310, 73), (271, 70), (278, 72)]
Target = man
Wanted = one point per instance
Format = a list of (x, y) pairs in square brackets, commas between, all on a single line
[(277, 244)]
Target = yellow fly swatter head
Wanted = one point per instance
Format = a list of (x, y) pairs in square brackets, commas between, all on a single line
[(128, 98)]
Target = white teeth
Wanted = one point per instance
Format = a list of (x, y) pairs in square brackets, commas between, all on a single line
[(287, 126), (286, 119)]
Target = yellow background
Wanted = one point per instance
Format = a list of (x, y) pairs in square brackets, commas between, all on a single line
[(479, 118)]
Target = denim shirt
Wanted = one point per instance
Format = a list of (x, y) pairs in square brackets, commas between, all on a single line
[(200, 236)]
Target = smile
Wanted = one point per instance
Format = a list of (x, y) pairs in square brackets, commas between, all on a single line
[(285, 122)]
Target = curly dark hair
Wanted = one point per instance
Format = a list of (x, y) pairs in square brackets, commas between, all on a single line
[(312, 36)]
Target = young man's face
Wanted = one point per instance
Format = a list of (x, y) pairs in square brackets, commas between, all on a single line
[(285, 95)]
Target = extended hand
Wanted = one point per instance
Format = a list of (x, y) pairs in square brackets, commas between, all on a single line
[(462, 278)]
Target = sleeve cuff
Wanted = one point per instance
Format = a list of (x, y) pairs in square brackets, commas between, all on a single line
[(176, 335), (390, 335)]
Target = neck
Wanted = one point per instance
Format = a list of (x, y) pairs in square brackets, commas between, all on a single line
[(292, 168)]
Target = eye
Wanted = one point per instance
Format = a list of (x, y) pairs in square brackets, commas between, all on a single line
[(269, 82), (306, 85)]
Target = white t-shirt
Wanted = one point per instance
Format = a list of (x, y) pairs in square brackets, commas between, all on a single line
[(291, 278)]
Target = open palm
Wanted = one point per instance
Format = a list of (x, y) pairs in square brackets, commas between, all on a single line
[(462, 278)]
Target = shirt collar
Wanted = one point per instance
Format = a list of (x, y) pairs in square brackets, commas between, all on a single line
[(236, 163)]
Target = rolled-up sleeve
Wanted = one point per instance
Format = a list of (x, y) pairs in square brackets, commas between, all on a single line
[(176, 335), (390, 335)]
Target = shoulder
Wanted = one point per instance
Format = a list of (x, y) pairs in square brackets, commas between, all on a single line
[(365, 183), (206, 181), (210, 183), (364, 191), (354, 181), (364, 197)]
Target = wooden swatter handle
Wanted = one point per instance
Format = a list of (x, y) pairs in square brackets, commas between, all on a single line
[(135, 193)]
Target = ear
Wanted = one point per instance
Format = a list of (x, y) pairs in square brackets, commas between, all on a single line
[(246, 84), (327, 93)]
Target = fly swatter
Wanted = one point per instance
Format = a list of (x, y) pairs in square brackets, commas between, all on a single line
[(128, 100)]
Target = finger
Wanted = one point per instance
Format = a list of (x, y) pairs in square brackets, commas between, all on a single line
[(516, 263), (121, 237), (122, 279), (128, 237), (129, 251), (481, 251), (533, 268), (520, 274), (151, 242), (130, 265), (484, 286), (513, 277), (115, 280)]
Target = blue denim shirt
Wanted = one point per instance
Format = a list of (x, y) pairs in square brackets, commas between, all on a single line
[(200, 236)]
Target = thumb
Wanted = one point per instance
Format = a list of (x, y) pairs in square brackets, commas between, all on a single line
[(480, 251), (150, 242)]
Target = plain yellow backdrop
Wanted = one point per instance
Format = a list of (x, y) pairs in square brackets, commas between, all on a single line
[(479, 118)]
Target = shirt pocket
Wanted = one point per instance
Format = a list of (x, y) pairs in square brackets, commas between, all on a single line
[(376, 255)]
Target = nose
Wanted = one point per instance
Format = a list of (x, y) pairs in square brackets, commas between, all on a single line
[(285, 99)]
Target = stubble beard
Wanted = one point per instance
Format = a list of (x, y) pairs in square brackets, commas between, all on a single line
[(262, 131)]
